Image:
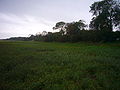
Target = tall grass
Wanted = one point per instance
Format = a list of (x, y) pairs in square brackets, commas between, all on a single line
[(59, 66)]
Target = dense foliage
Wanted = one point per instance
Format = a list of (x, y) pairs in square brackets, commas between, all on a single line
[(74, 36), (106, 15)]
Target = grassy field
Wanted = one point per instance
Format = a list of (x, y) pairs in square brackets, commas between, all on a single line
[(59, 66)]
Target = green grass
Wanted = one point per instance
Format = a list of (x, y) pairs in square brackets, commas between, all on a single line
[(59, 66)]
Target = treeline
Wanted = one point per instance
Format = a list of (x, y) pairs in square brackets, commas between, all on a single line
[(106, 18), (82, 35)]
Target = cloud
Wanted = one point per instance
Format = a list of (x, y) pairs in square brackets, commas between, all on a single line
[(14, 25)]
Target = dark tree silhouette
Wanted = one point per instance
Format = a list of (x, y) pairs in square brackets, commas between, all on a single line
[(61, 26), (74, 27), (106, 15)]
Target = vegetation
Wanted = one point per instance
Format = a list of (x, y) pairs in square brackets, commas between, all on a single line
[(50, 65), (107, 15), (74, 36), (106, 18), (59, 66)]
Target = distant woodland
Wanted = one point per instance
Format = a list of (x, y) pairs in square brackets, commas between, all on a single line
[(104, 26)]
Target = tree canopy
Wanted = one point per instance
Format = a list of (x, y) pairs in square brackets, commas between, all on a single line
[(106, 15)]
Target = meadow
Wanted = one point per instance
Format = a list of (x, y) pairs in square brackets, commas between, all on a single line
[(34, 65)]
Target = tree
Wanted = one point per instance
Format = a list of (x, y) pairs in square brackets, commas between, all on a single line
[(44, 33), (106, 15), (74, 27), (61, 26), (31, 37)]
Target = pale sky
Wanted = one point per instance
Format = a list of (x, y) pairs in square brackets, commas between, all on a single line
[(24, 17)]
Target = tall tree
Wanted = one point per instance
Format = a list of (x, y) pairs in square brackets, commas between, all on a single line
[(74, 27), (61, 26), (106, 15)]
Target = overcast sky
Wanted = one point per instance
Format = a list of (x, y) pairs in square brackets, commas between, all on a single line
[(24, 17)]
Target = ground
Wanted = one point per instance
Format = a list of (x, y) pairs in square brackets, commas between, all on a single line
[(59, 66)]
